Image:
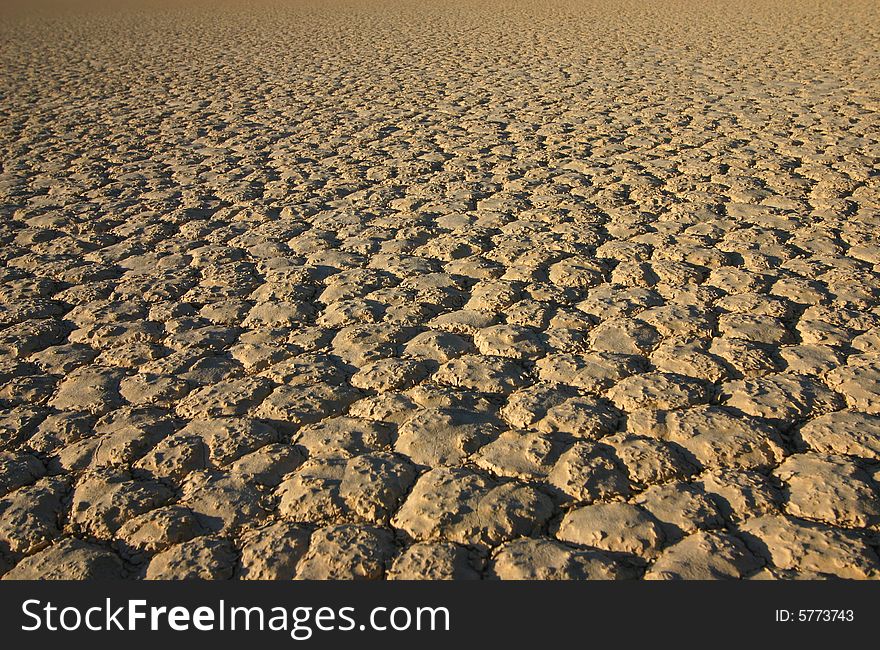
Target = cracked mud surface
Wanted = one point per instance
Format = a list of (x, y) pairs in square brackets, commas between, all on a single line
[(441, 290)]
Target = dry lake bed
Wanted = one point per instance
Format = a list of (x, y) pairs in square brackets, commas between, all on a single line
[(505, 289)]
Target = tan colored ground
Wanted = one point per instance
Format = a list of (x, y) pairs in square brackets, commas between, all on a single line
[(428, 290)]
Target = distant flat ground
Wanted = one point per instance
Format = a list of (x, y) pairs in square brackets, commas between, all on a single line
[(440, 290)]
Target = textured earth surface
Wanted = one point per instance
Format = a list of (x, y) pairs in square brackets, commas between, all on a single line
[(576, 290)]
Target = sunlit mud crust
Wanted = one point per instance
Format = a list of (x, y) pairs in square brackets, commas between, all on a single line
[(365, 290)]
